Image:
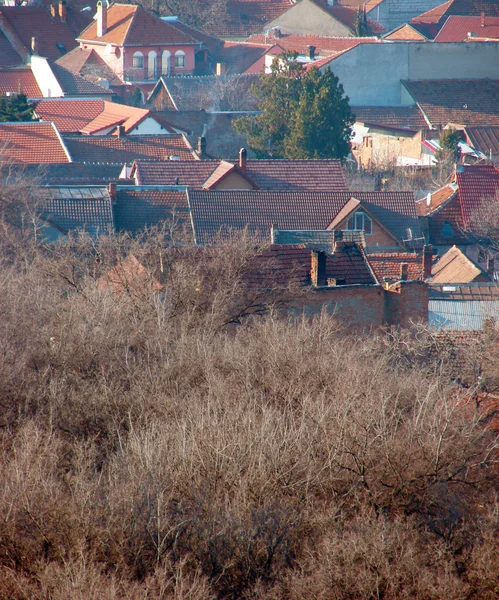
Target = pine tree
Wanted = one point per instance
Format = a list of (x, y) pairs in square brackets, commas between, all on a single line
[(305, 113), (449, 146), (15, 108)]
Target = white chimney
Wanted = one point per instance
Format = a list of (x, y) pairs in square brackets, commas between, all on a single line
[(101, 18)]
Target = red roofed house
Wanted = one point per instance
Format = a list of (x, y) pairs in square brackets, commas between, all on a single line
[(138, 46), (32, 142), (461, 29)]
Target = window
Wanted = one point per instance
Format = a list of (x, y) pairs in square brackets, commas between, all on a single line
[(180, 59), (152, 65), (360, 222), (447, 230), (138, 60), (165, 63)]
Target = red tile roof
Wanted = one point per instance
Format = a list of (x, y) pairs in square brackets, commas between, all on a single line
[(356, 4), (113, 114), (456, 267), (457, 29), (279, 265), (136, 208), (434, 15), (110, 149), (69, 116), (19, 81), (132, 25), (398, 117), (317, 175), (32, 142), (348, 16), (31, 21), (406, 32), (436, 200), (74, 85), (387, 265), (8, 56), (457, 101), (476, 183), (323, 45), (87, 63), (485, 139), (249, 16)]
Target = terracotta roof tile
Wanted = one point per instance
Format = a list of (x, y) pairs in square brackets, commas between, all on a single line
[(114, 114), (8, 56), (476, 183), (323, 44), (128, 276), (31, 21), (139, 208), (387, 265), (456, 267), (484, 139), (73, 208), (406, 32), (129, 25), (214, 211), (457, 29), (87, 63), (279, 265), (317, 175), (69, 116), (434, 15), (399, 117), (356, 4), (458, 101), (110, 149), (32, 142), (19, 81), (436, 200)]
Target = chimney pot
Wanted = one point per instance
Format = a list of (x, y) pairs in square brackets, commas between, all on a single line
[(403, 271), (243, 157), (62, 10), (202, 145), (427, 260), (101, 18), (318, 268)]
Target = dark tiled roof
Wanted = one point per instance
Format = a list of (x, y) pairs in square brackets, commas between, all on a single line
[(110, 149), (476, 183), (139, 208), (31, 21), (73, 173), (324, 45), (8, 56), (458, 101), (215, 212), (74, 85), (323, 175), (348, 265), (32, 142), (71, 208), (348, 16), (457, 29), (279, 265), (19, 81), (249, 16), (485, 139), (399, 117), (211, 42), (238, 57)]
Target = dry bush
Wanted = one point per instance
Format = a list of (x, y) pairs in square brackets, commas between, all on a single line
[(188, 442)]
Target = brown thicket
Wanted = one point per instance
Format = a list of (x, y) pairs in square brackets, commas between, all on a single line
[(180, 438)]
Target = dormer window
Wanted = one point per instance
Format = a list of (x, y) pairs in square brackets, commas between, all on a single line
[(360, 221)]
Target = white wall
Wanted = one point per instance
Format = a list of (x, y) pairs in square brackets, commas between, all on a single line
[(371, 73), (45, 78), (148, 126)]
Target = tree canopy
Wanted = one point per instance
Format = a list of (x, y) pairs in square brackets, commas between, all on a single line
[(15, 108), (305, 113)]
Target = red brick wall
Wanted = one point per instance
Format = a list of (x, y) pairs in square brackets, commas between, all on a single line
[(406, 303)]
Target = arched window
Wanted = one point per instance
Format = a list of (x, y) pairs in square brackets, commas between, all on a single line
[(152, 65), (180, 59), (165, 62), (360, 222), (138, 60)]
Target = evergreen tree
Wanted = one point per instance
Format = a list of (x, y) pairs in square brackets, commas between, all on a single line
[(15, 108), (449, 146), (305, 114)]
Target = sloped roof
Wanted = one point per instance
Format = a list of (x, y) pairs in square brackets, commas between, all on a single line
[(356, 4), (139, 208), (455, 267), (113, 114), (348, 265), (434, 15), (69, 116), (485, 139), (8, 56), (398, 117), (324, 45), (476, 183), (457, 28), (457, 101), (32, 142), (279, 265), (406, 32), (323, 175), (436, 200), (249, 16), (69, 174), (387, 265), (214, 211), (348, 16), (33, 21), (74, 85), (210, 41), (19, 81), (129, 275), (70, 208), (132, 25), (87, 63), (111, 149), (238, 57)]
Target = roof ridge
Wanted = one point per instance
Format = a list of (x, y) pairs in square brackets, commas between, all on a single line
[(130, 21)]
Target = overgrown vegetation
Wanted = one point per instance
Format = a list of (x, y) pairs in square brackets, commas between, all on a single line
[(187, 441)]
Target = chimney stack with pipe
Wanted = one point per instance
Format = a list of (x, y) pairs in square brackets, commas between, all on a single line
[(243, 157), (101, 18)]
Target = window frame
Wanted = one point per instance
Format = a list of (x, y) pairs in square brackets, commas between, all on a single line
[(138, 57), (358, 222)]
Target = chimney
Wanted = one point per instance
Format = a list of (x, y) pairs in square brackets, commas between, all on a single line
[(427, 260), (53, 11), (111, 188), (34, 45), (120, 131), (311, 52), (482, 19), (201, 145), (243, 156), (277, 32), (491, 267), (403, 271), (101, 18), (221, 69), (318, 268), (62, 10)]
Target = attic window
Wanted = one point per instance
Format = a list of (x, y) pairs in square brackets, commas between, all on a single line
[(61, 48), (360, 222)]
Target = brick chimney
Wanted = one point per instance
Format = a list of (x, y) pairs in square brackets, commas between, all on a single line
[(62, 10), (403, 271), (201, 145), (311, 52), (111, 188), (101, 18), (482, 19), (243, 157), (318, 268), (491, 267), (34, 45), (120, 130), (427, 260)]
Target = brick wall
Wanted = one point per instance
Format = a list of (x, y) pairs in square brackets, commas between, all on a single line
[(406, 303)]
